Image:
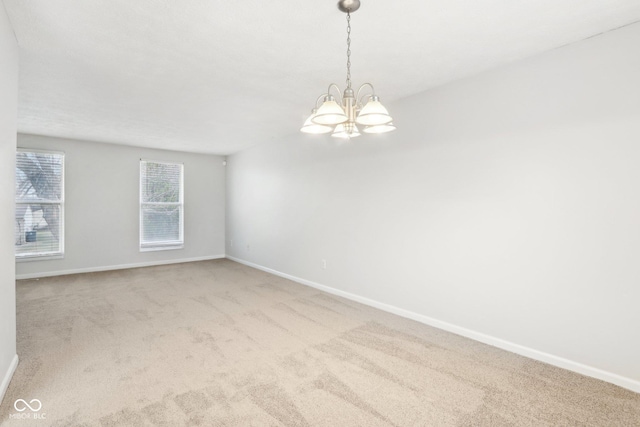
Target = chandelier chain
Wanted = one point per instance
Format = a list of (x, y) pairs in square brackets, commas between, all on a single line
[(348, 49)]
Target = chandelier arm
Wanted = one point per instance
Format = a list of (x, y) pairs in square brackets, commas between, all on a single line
[(373, 92), (337, 90), (319, 98)]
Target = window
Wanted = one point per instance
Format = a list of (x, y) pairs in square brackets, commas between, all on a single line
[(39, 225), (161, 206)]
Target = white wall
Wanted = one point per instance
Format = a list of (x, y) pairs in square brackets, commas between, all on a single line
[(8, 114), (102, 206), (506, 208)]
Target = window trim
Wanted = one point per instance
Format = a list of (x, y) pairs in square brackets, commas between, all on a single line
[(43, 256), (167, 244)]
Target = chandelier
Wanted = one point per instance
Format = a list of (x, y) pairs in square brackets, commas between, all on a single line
[(341, 118)]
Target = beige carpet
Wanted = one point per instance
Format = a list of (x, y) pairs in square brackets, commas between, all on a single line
[(219, 344)]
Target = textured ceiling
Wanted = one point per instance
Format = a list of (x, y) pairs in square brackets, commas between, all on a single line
[(220, 76)]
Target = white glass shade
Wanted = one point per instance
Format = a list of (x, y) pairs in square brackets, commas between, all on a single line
[(379, 128), (312, 128), (373, 113), (348, 130), (330, 113)]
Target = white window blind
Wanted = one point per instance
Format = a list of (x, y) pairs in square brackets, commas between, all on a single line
[(39, 225), (161, 205)]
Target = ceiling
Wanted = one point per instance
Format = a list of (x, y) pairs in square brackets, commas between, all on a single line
[(221, 76)]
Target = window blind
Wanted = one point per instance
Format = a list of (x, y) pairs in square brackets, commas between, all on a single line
[(161, 205), (39, 192)]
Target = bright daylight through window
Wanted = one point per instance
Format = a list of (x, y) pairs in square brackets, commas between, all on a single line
[(39, 230), (161, 205)]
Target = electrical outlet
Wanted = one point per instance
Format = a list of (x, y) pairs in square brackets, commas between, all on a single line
[(248, 248), (324, 264), (231, 243)]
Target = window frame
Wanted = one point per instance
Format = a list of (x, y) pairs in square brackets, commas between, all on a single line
[(167, 244), (42, 256)]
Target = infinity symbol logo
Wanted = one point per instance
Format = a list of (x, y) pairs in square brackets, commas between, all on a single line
[(26, 405)]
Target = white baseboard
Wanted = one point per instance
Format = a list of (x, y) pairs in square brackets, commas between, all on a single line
[(531, 353), (7, 377), (114, 267)]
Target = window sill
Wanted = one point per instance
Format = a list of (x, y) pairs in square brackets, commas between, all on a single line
[(161, 248), (29, 258)]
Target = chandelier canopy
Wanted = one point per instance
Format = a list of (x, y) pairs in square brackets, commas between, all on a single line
[(342, 117)]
